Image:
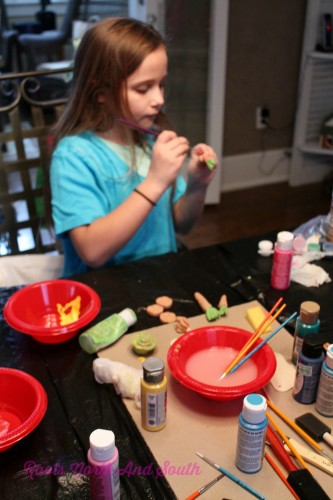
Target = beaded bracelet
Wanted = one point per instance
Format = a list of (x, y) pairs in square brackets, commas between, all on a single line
[(145, 197)]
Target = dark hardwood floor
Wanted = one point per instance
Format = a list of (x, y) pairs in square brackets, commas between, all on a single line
[(249, 212)]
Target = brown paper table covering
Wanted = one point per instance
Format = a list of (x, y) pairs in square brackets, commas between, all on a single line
[(195, 423)]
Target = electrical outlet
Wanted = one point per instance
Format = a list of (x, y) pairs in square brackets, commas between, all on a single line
[(262, 115)]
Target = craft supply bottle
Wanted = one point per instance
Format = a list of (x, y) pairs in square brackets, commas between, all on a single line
[(329, 223), (106, 332), (251, 435), (309, 363), (282, 257), (103, 460), (153, 395), (307, 322), (324, 402)]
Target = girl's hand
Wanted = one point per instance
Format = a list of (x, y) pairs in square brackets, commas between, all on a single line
[(202, 165), (169, 153)]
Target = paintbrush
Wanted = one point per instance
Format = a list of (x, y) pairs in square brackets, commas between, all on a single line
[(254, 337), (301, 480), (210, 162), (248, 356), (315, 428), (311, 456), (232, 477), (204, 488), (299, 431), (279, 472)]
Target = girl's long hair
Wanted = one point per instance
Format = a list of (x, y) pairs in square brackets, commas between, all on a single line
[(109, 52)]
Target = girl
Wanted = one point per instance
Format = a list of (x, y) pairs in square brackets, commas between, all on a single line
[(117, 193)]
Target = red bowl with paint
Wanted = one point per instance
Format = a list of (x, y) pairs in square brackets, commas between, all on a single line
[(23, 403), (33, 310), (198, 358)]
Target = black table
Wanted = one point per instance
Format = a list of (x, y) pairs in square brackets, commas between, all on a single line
[(50, 462)]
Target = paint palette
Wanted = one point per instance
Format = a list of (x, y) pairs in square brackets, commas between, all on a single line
[(198, 359)]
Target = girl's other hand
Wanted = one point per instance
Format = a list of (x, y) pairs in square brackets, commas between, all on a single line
[(168, 155), (198, 171)]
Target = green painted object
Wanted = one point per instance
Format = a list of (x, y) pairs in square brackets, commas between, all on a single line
[(211, 163), (212, 313)]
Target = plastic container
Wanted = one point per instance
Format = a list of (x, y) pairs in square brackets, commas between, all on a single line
[(282, 258), (33, 309), (153, 395), (251, 435), (103, 459), (219, 340), (324, 402), (309, 363), (307, 322), (107, 332), (23, 403)]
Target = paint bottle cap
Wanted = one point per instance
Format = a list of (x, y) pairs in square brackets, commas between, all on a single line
[(254, 408), (129, 316), (102, 445), (153, 370), (299, 243), (265, 247), (285, 240), (329, 356), (312, 346), (309, 312)]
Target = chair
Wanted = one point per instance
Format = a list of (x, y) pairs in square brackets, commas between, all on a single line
[(8, 43), (29, 105), (48, 45)]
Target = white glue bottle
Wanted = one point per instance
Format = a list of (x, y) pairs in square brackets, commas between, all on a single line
[(103, 460), (324, 402), (251, 435)]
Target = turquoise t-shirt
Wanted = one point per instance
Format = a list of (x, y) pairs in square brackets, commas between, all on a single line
[(89, 179)]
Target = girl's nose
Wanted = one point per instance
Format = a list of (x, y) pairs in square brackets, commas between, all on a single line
[(158, 97)]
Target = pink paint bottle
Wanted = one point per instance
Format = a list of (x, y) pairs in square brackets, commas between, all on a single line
[(103, 460), (283, 254)]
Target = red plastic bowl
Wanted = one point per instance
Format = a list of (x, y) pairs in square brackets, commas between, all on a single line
[(209, 338), (33, 309), (23, 404)]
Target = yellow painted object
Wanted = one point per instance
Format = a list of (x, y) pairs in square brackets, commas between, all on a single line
[(255, 316)]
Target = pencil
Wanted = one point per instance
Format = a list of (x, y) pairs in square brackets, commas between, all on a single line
[(248, 356), (204, 488), (279, 472)]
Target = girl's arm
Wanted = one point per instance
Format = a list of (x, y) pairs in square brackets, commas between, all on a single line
[(102, 239), (189, 207)]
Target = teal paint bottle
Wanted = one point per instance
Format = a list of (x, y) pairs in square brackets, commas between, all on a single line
[(307, 322), (252, 425)]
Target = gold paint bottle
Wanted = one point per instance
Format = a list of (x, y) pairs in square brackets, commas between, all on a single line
[(153, 395)]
